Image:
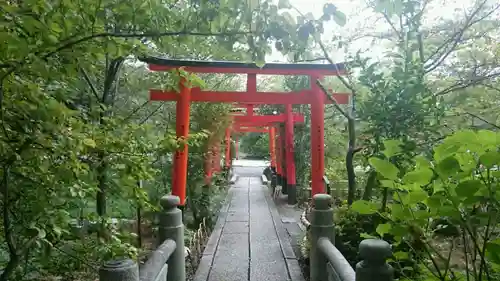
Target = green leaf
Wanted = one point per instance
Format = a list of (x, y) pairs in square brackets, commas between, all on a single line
[(422, 162), (445, 149), (448, 167), (260, 64), (284, 4), (365, 235), (384, 167), (388, 183), (383, 229), (493, 251), (339, 18), (401, 255), (89, 142), (420, 176), (253, 4), (417, 195), (288, 18), (41, 233), (468, 188), (490, 159), (364, 207), (392, 148), (487, 137)]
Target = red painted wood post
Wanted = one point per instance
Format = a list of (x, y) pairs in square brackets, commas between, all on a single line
[(236, 148), (279, 160), (284, 186), (208, 165), (249, 109), (228, 149), (272, 151), (290, 157), (212, 159), (182, 131), (317, 138), (217, 157)]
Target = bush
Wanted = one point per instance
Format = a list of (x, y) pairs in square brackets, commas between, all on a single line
[(351, 228)]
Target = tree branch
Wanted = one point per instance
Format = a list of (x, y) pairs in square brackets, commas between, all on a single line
[(388, 20), (66, 44), (461, 85), (455, 39), (91, 86), (344, 81), (482, 119)]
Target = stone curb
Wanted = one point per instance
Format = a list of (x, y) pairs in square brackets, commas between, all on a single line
[(234, 179), (292, 263), (207, 258), (264, 179)]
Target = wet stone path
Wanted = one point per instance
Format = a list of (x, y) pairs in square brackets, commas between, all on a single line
[(249, 241)]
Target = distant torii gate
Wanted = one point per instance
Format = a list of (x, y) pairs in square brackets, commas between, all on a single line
[(282, 159), (313, 96)]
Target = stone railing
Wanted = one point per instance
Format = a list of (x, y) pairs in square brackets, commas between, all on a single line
[(327, 263), (167, 262)]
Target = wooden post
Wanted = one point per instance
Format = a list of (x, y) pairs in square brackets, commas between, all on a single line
[(227, 159), (179, 177), (236, 148), (290, 157), (284, 179), (317, 138), (272, 150), (217, 167), (279, 160), (208, 165)]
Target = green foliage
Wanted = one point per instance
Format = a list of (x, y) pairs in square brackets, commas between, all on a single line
[(255, 145), (459, 183), (352, 227)]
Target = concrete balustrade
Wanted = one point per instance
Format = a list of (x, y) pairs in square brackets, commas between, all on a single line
[(327, 263), (167, 262)]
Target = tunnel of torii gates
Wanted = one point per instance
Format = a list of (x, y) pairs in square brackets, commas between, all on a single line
[(284, 138)]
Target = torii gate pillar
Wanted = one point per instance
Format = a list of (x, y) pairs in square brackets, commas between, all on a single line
[(236, 147), (290, 157), (179, 176), (283, 154), (272, 149), (279, 160), (227, 160)]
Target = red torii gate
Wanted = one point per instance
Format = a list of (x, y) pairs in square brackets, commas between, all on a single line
[(313, 96), (284, 165)]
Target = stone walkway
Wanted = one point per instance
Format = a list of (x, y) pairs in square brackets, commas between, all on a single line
[(249, 242)]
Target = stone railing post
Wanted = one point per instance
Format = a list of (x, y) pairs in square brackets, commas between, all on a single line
[(171, 227), (119, 270), (321, 226), (374, 253)]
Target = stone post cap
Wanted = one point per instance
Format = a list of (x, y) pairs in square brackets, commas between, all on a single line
[(375, 250), (322, 201), (169, 201), (118, 265)]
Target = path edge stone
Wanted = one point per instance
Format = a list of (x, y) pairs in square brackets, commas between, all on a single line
[(292, 263), (207, 258)]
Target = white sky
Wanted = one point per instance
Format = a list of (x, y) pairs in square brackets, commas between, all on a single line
[(361, 18)]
